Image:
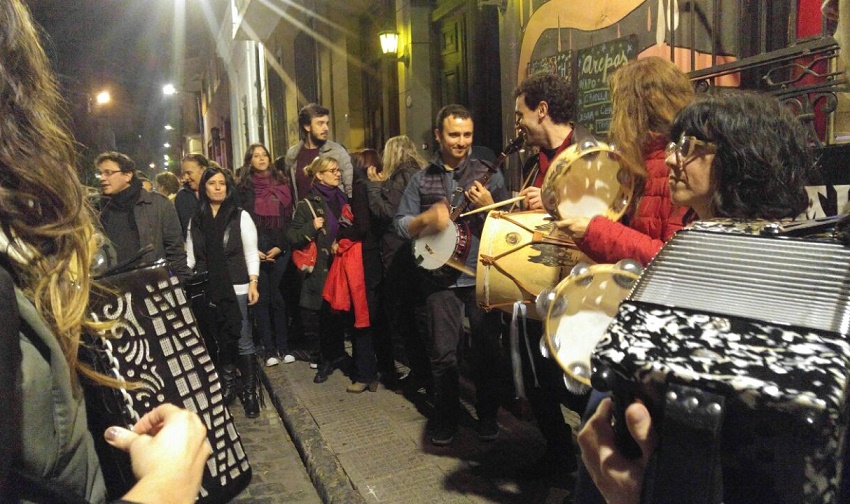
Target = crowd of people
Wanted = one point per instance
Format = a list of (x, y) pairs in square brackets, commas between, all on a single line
[(355, 217)]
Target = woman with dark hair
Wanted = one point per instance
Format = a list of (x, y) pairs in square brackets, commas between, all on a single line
[(740, 155), (265, 195), (646, 94), (736, 155), (324, 216), (385, 187), (47, 243), (222, 241)]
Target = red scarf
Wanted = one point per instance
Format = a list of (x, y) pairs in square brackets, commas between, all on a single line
[(543, 160)]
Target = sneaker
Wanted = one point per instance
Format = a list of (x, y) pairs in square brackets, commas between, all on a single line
[(488, 429), (288, 359), (314, 365), (273, 361)]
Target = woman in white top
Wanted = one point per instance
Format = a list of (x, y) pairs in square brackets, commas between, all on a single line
[(222, 241)]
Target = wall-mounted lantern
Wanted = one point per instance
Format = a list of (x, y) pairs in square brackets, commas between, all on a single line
[(389, 46)]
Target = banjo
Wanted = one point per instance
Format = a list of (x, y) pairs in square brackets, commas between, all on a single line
[(444, 254)]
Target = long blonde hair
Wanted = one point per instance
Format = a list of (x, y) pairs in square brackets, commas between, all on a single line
[(646, 95), (398, 150), (44, 211)]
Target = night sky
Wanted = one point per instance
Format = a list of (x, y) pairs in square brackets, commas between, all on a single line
[(123, 46)]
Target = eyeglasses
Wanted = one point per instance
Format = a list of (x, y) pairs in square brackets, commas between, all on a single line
[(107, 173), (686, 145), (333, 171)]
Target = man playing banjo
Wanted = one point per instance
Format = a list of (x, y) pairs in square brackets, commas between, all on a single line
[(453, 179)]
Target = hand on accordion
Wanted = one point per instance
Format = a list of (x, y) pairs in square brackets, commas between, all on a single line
[(619, 478), (168, 448)]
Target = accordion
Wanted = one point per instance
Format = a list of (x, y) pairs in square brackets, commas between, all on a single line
[(156, 345), (737, 343)]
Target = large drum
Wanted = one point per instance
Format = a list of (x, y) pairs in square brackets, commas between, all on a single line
[(583, 306), (520, 255), (587, 180)]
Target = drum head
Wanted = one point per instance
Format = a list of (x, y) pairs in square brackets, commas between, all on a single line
[(586, 181), (584, 306), (432, 252)]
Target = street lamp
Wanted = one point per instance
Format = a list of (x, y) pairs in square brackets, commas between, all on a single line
[(103, 98), (169, 89), (166, 145), (169, 127), (389, 46)]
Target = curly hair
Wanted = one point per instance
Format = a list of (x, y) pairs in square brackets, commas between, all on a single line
[(43, 207), (552, 89), (763, 160), (307, 114), (125, 164), (646, 95), (398, 150), (245, 181)]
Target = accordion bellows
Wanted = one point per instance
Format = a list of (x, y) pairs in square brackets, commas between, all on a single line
[(156, 344), (763, 322)]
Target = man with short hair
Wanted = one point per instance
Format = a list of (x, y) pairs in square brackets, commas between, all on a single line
[(133, 218), (545, 114), (423, 211), (313, 124), (186, 202)]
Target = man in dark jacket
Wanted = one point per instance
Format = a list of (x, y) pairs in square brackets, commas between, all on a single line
[(186, 202), (133, 218)]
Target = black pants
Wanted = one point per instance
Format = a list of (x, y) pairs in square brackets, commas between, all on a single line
[(547, 395)]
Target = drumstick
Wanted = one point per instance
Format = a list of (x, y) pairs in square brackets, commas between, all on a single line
[(494, 205)]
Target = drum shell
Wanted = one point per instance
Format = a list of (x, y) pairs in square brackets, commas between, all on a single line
[(520, 255)]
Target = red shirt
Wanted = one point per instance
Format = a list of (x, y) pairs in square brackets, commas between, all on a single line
[(543, 160)]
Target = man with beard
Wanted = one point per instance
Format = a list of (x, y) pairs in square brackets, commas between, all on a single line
[(133, 218), (423, 211), (313, 121)]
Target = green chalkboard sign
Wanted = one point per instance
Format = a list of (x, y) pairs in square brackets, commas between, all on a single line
[(560, 64), (594, 67)]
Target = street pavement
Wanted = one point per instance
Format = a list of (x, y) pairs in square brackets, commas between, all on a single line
[(372, 447)]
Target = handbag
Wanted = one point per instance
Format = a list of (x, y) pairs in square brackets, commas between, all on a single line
[(305, 258)]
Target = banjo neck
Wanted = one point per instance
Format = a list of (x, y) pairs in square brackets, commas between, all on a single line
[(512, 147)]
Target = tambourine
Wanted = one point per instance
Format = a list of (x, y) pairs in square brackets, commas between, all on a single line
[(577, 313), (585, 181), (520, 255)]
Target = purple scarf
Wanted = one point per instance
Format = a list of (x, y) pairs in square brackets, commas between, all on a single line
[(335, 199), (269, 195)]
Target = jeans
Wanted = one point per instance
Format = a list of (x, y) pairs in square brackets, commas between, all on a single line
[(270, 310), (246, 339), (445, 309)]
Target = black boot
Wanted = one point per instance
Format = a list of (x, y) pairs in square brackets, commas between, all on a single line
[(249, 386), (446, 406), (228, 383)]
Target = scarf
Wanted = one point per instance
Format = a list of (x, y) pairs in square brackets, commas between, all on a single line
[(335, 199), (118, 216), (269, 196)]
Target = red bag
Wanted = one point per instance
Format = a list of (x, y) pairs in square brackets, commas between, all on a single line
[(305, 259)]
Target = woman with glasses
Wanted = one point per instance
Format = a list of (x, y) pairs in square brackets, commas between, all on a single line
[(646, 94), (738, 155), (325, 216)]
